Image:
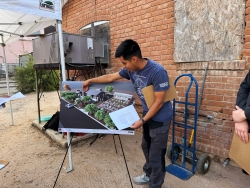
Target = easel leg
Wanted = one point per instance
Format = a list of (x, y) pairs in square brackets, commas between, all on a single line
[(114, 143), (125, 161), (70, 168), (97, 136)]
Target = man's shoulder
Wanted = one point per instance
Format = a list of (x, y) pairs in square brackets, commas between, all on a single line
[(155, 65)]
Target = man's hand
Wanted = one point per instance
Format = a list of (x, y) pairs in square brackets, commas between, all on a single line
[(85, 85), (137, 124), (238, 115), (241, 129)]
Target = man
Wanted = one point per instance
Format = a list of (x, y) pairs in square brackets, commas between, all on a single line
[(241, 116), (156, 120)]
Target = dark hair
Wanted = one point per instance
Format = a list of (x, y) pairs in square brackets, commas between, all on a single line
[(127, 49)]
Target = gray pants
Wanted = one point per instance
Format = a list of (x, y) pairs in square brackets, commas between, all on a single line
[(154, 143)]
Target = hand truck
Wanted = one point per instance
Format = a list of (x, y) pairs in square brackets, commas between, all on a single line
[(188, 154)]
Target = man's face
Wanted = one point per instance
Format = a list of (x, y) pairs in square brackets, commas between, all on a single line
[(131, 65)]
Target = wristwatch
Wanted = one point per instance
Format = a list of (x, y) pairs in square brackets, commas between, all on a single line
[(143, 121)]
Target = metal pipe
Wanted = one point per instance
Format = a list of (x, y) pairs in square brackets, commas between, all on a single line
[(11, 33), (59, 25), (38, 99), (19, 23), (202, 87), (7, 79)]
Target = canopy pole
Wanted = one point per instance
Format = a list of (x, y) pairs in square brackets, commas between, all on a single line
[(7, 79), (60, 35), (59, 25)]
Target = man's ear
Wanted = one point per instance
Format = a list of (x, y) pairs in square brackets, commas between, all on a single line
[(134, 59)]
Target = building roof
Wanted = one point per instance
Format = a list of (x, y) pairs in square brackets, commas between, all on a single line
[(94, 92)]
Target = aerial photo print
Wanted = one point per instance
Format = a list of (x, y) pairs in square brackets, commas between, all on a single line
[(104, 108)]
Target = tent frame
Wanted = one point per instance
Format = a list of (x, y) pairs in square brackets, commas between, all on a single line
[(61, 47)]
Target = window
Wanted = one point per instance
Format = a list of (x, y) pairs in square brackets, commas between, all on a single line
[(100, 31)]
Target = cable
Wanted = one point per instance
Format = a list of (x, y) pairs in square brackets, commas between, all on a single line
[(114, 143), (125, 161), (63, 160)]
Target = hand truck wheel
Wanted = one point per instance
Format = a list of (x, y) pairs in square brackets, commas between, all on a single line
[(203, 164), (177, 151)]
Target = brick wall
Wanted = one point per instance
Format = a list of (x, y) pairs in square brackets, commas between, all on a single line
[(246, 45), (151, 24), (215, 126)]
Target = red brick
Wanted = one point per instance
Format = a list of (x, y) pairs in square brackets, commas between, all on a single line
[(216, 143), (214, 108), (230, 98), (227, 135), (213, 132), (227, 111), (224, 116), (247, 3), (214, 97)]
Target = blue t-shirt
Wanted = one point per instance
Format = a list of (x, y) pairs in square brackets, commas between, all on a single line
[(152, 74)]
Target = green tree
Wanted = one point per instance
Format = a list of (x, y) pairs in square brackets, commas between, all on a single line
[(91, 108), (77, 101), (71, 96), (26, 82), (64, 94), (86, 98), (108, 121), (109, 89), (100, 114)]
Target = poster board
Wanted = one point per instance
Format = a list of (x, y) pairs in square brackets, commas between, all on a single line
[(148, 93), (240, 153), (75, 116)]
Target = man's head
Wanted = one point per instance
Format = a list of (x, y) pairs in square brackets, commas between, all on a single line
[(129, 53)]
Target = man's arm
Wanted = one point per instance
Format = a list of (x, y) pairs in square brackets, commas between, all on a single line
[(243, 92), (239, 115), (101, 79), (156, 106)]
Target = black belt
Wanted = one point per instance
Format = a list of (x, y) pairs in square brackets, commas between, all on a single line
[(152, 124)]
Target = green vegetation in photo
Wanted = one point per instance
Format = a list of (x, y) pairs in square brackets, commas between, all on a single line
[(69, 95), (91, 108), (109, 89), (108, 121), (77, 101), (86, 99), (64, 94), (100, 114)]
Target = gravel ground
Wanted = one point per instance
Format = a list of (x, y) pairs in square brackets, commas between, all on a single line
[(35, 159)]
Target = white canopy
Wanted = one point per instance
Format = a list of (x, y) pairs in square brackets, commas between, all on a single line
[(21, 18)]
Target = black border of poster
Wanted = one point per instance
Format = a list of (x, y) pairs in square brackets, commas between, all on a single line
[(74, 120)]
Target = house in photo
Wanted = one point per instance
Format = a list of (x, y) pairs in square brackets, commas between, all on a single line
[(96, 94)]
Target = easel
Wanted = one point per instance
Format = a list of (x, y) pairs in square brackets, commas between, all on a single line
[(88, 71), (97, 136)]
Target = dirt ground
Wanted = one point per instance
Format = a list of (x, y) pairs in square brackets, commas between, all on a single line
[(35, 159)]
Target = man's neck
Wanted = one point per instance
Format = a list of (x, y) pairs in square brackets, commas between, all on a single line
[(142, 63)]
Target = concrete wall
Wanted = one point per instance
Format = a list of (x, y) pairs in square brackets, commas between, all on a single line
[(15, 49), (151, 23)]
